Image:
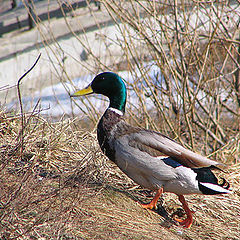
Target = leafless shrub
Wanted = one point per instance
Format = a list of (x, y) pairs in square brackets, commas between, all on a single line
[(193, 93), (195, 47)]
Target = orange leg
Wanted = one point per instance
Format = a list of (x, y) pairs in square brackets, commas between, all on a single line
[(187, 223), (153, 203)]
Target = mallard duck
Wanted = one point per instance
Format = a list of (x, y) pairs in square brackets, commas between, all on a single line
[(149, 158)]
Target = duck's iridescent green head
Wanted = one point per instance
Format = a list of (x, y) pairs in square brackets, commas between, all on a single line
[(108, 84)]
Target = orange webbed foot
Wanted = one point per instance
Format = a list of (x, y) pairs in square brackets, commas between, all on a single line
[(153, 203), (149, 205), (187, 223)]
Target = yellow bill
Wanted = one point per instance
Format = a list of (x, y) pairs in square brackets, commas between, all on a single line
[(85, 91)]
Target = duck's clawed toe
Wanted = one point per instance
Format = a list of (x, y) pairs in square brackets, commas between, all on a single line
[(153, 203), (149, 206), (186, 223)]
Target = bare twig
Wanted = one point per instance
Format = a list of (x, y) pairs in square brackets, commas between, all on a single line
[(237, 85), (20, 135)]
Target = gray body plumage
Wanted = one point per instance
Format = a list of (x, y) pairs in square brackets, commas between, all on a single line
[(151, 172), (143, 155)]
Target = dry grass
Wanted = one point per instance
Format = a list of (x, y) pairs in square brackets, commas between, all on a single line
[(62, 187)]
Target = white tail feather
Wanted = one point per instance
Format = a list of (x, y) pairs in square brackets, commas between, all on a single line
[(215, 187)]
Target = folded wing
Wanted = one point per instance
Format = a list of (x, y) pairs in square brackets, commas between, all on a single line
[(157, 144)]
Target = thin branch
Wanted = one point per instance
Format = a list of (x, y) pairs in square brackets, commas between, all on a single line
[(20, 135)]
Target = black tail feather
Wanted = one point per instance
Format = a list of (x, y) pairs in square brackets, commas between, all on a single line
[(207, 180)]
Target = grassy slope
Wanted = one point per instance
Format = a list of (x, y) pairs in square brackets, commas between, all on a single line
[(62, 187)]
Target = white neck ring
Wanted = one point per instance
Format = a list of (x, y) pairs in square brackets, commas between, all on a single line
[(116, 111)]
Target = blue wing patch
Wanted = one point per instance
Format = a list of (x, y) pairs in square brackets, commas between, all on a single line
[(169, 161)]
